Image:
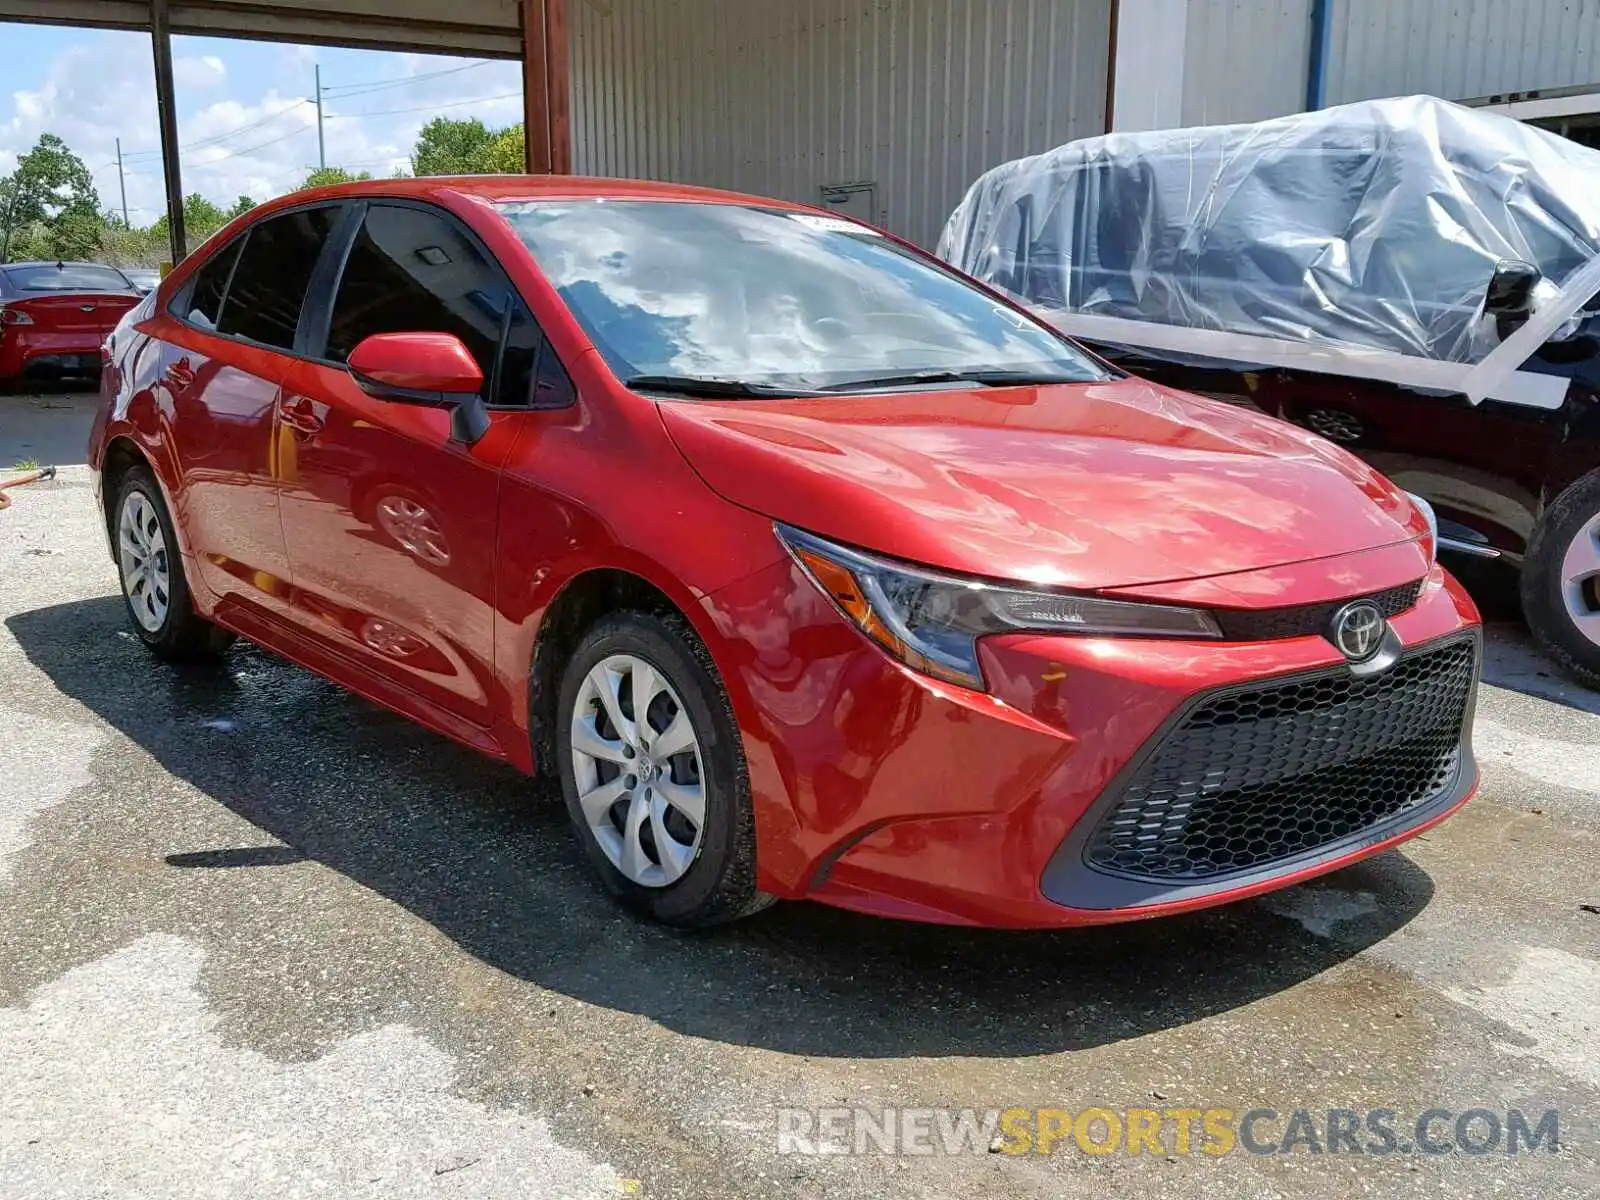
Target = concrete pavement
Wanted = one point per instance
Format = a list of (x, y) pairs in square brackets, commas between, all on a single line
[(258, 937)]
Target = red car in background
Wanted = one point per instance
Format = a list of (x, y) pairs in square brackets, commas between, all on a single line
[(809, 566), (54, 317)]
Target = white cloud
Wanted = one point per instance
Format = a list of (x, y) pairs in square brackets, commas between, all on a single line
[(207, 71), (260, 144)]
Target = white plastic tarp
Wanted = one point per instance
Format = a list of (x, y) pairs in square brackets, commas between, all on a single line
[(1358, 240)]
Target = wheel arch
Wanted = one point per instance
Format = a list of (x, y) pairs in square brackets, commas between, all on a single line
[(581, 600), (123, 452)]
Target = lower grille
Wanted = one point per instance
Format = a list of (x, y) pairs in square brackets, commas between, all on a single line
[(1275, 770)]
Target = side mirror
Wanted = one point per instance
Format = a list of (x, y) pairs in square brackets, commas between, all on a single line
[(432, 369), (1511, 289), (1510, 297)]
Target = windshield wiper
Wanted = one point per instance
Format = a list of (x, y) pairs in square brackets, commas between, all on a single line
[(698, 385), (987, 378)]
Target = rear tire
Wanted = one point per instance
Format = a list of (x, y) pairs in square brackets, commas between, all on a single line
[(678, 866), (150, 569), (1561, 581)]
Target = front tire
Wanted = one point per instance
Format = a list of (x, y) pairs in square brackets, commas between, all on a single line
[(1561, 581), (654, 774), (150, 569)]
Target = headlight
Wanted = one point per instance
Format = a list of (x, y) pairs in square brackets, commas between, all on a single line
[(1433, 524), (932, 622)]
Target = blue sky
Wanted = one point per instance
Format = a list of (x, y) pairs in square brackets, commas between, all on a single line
[(242, 117)]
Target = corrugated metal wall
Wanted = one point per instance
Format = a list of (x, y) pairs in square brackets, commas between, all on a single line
[(1460, 49), (784, 97), (1245, 60)]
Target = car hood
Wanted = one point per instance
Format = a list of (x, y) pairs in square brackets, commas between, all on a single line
[(1093, 486)]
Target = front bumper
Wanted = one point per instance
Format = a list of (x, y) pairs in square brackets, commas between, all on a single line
[(883, 791)]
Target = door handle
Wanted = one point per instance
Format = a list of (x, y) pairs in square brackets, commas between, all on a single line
[(300, 415)]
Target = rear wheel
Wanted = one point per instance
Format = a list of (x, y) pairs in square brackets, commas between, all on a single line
[(1561, 580), (654, 774), (151, 571)]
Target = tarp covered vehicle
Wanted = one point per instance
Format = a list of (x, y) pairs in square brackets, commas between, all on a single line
[(1416, 280)]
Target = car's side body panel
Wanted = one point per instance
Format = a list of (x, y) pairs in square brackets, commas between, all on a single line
[(223, 395), (390, 528)]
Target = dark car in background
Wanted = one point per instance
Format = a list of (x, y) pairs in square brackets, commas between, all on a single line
[(145, 279), (1415, 281), (55, 316)]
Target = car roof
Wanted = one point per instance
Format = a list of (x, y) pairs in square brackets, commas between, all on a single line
[(511, 188)]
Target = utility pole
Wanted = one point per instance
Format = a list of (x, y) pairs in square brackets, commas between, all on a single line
[(322, 146), (122, 183)]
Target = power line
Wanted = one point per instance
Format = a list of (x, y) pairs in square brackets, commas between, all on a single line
[(218, 138), (258, 146), (393, 112), (337, 91)]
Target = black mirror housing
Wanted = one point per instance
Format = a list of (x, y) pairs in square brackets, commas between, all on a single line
[(1511, 289), (469, 416)]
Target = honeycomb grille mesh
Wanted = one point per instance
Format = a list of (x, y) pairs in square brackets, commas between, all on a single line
[(1270, 624), (1260, 774)]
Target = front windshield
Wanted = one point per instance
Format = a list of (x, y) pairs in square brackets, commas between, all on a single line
[(773, 298)]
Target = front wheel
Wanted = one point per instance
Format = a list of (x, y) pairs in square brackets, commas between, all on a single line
[(1561, 581), (150, 569), (654, 774)]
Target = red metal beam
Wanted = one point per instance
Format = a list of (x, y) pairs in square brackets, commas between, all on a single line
[(546, 76)]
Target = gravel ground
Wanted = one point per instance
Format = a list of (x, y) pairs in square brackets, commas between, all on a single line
[(259, 937)]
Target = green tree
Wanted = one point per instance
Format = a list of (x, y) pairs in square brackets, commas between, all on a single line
[(449, 147), (508, 153), (201, 218), (241, 206), (50, 187), (328, 176)]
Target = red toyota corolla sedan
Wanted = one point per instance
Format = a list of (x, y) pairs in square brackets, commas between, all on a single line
[(811, 568)]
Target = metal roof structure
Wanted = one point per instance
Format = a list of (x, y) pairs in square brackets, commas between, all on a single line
[(534, 31), (483, 28)]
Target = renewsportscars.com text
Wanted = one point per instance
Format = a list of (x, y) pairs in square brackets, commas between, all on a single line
[(1166, 1131)]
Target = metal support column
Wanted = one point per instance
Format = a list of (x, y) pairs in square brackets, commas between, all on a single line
[(545, 82), (1321, 45), (167, 114)]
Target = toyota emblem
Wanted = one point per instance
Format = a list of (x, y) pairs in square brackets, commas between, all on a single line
[(1357, 630)]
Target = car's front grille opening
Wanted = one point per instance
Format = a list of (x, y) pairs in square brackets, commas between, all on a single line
[(1271, 624), (1272, 771)]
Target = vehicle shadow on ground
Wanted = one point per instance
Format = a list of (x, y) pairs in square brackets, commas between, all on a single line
[(483, 855)]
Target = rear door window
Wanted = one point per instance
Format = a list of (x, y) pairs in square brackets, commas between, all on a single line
[(201, 302), (411, 270), (272, 276)]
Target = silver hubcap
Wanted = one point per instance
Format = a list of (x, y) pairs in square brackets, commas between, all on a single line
[(1580, 580), (413, 526), (142, 555), (636, 760)]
